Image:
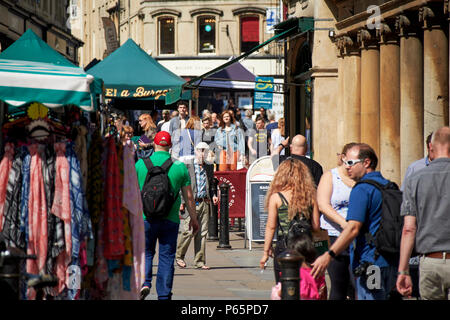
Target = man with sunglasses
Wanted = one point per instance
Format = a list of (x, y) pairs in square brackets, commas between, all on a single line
[(375, 275)]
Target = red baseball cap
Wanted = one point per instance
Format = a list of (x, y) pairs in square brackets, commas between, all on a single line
[(163, 139)]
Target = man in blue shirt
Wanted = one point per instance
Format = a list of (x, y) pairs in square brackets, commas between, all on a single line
[(375, 276)]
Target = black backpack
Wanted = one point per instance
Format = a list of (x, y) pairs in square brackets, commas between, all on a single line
[(157, 195), (297, 227), (388, 236)]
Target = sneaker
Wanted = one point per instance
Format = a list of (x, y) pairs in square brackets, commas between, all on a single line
[(144, 292)]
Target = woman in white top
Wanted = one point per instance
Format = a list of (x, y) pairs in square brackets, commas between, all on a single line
[(277, 136), (333, 193)]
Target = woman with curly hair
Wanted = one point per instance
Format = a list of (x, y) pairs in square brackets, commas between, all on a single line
[(146, 140), (292, 193)]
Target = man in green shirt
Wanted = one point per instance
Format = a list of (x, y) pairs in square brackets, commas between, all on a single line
[(165, 230)]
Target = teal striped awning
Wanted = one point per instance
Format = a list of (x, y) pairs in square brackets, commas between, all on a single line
[(24, 82)]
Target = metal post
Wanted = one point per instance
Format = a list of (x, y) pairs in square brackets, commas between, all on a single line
[(224, 240), (290, 262), (213, 224)]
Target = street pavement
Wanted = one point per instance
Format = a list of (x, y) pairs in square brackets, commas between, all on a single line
[(234, 273)]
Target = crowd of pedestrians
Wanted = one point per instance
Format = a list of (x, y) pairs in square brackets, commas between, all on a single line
[(351, 209), (332, 200)]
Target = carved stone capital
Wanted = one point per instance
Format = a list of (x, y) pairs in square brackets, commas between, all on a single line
[(430, 16), (405, 27), (386, 33), (367, 39), (346, 45)]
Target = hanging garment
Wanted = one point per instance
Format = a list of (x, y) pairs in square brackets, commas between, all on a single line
[(133, 202), (80, 148), (25, 194), (80, 221), (113, 218), (55, 226), (11, 218), (61, 209), (5, 167), (37, 215), (127, 259), (95, 179)]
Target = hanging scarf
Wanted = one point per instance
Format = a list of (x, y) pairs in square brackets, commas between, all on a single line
[(80, 148), (127, 259), (133, 202), (37, 216), (25, 194), (11, 217), (61, 209), (5, 167), (80, 221), (113, 219)]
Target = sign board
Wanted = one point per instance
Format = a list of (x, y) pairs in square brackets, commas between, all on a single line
[(272, 18), (263, 92), (278, 99), (259, 214), (110, 35), (259, 176)]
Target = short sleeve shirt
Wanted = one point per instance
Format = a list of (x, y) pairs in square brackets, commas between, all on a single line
[(365, 207), (427, 198), (178, 177)]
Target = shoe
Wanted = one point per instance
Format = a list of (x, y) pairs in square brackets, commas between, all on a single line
[(145, 291), (204, 267), (181, 263)]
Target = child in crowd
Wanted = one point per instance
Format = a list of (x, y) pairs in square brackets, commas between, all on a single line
[(310, 288)]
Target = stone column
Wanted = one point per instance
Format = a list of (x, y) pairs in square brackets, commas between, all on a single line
[(370, 89), (351, 86), (389, 157), (435, 66), (411, 93)]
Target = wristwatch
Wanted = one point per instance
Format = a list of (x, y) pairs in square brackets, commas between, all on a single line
[(404, 273), (282, 145), (332, 253)]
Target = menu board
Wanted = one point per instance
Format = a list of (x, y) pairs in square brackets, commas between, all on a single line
[(259, 213)]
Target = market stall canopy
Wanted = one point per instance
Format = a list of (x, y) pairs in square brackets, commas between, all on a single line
[(130, 73), (31, 71), (235, 76)]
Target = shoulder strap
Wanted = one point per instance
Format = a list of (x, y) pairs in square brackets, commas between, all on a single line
[(283, 199), (167, 164), (371, 182), (148, 163)]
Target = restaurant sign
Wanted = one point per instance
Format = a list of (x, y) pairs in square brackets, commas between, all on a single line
[(140, 92)]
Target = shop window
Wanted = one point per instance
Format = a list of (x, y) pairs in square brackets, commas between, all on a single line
[(207, 34), (249, 33), (167, 35)]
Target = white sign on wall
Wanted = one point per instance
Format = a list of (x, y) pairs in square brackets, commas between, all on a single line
[(272, 18), (278, 100)]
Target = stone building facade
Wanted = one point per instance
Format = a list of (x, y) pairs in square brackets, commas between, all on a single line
[(187, 37), (47, 18), (379, 74)]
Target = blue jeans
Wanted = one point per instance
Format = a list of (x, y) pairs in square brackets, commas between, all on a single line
[(166, 232), (385, 283)]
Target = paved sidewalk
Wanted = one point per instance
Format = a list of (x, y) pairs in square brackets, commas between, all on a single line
[(234, 273)]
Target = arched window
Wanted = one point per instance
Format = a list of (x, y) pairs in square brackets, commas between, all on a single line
[(166, 35), (249, 33), (207, 34)]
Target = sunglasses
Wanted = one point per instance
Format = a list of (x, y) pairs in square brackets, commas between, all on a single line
[(351, 163)]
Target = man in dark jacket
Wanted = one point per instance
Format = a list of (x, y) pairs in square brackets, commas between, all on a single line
[(298, 148)]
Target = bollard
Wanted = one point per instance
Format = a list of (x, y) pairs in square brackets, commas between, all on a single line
[(224, 240), (290, 262), (213, 224)]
